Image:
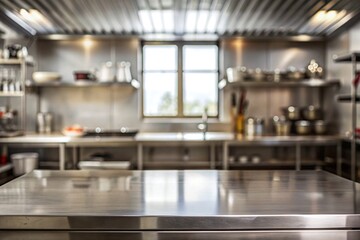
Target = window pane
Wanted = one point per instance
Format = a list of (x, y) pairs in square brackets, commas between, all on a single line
[(200, 91), (160, 94), (161, 58), (200, 57)]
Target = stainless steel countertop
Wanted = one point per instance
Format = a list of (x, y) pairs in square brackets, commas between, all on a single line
[(179, 200), (211, 137)]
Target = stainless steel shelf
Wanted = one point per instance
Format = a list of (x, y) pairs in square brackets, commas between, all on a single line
[(134, 83), (347, 98), (300, 83), (11, 94), (16, 62), (277, 163), (348, 57), (168, 164), (284, 140)]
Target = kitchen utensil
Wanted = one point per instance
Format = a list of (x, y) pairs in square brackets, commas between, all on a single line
[(124, 72), (314, 70), (22, 53), (48, 122), (250, 127), (106, 72), (319, 127), (291, 113), (84, 76), (282, 128), (277, 76), (122, 132), (24, 162), (40, 122), (294, 74), (13, 50), (303, 127), (259, 126), (255, 159), (257, 75), (128, 77), (236, 74), (46, 77), (243, 159), (312, 113)]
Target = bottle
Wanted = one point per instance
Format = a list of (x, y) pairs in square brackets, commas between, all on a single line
[(12, 81), (5, 85)]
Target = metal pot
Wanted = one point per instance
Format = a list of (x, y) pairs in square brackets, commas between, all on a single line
[(292, 113), (277, 76), (84, 75), (303, 127), (257, 75), (24, 162), (312, 113), (236, 74), (320, 127), (282, 128), (294, 74)]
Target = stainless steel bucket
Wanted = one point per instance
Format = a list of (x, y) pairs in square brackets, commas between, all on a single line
[(24, 162)]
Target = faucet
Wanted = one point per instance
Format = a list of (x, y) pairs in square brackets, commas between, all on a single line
[(203, 126)]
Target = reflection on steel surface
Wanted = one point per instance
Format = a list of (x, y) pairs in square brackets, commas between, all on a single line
[(179, 200)]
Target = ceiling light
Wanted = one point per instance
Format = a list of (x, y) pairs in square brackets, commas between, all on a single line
[(325, 15), (87, 43), (19, 20), (24, 13), (330, 15)]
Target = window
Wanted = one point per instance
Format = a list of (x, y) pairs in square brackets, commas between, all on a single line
[(180, 79)]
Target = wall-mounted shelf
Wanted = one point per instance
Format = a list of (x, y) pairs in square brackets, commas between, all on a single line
[(134, 83), (16, 62), (11, 94), (347, 98), (348, 57), (300, 83), (353, 98)]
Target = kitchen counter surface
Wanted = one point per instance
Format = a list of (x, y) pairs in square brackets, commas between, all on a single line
[(171, 137), (179, 200)]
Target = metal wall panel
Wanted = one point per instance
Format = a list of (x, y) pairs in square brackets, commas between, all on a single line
[(116, 107)]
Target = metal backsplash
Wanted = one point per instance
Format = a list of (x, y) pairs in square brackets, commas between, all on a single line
[(115, 107)]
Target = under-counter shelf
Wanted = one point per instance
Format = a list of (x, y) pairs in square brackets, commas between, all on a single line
[(176, 164), (277, 163), (301, 83), (134, 83)]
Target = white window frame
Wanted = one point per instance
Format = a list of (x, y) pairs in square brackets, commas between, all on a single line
[(180, 80)]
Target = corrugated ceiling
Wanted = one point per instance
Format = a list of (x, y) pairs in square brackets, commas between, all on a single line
[(253, 18)]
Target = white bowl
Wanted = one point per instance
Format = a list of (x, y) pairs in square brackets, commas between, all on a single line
[(45, 77)]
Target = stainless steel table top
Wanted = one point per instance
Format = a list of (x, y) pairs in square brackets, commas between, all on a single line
[(171, 137), (179, 200)]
